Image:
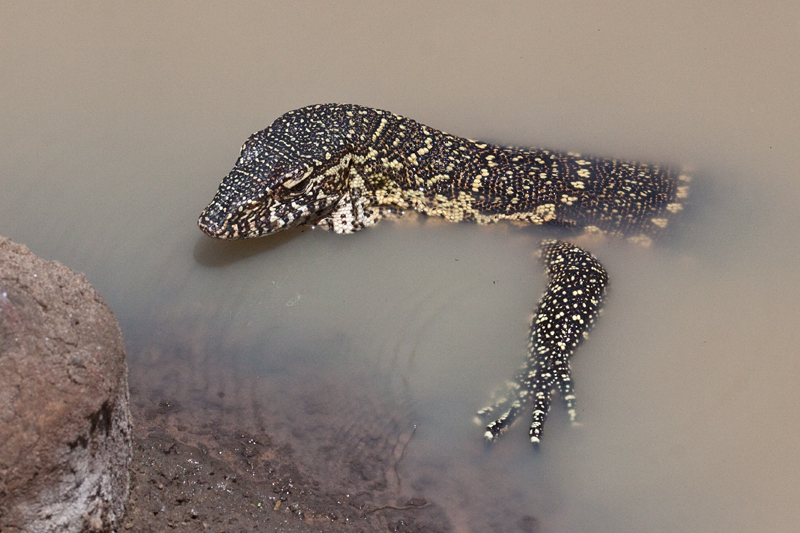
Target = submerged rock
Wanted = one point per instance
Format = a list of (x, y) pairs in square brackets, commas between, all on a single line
[(65, 429)]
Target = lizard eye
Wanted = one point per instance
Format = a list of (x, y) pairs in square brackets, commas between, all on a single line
[(293, 181)]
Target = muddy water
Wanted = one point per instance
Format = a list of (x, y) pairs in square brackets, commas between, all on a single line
[(119, 120)]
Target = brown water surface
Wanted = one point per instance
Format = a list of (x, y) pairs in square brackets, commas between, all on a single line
[(119, 120)]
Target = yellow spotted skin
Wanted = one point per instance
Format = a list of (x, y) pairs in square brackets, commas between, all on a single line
[(344, 167), (561, 321)]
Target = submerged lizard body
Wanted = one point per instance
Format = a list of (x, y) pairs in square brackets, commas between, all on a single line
[(344, 167)]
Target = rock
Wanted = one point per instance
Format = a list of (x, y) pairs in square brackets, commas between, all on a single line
[(65, 429)]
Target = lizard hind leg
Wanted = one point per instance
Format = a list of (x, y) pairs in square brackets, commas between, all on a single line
[(561, 321), (565, 314)]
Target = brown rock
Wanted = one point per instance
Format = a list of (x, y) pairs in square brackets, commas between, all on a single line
[(65, 433)]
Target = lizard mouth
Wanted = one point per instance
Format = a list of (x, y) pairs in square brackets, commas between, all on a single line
[(264, 217), (221, 220)]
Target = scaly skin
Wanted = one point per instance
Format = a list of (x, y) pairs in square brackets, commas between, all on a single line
[(344, 167), (565, 313)]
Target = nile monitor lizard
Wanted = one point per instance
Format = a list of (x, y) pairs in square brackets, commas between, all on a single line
[(344, 167)]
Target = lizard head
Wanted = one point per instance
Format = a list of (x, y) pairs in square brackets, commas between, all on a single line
[(292, 173)]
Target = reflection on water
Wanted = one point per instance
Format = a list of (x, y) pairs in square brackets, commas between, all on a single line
[(119, 123)]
